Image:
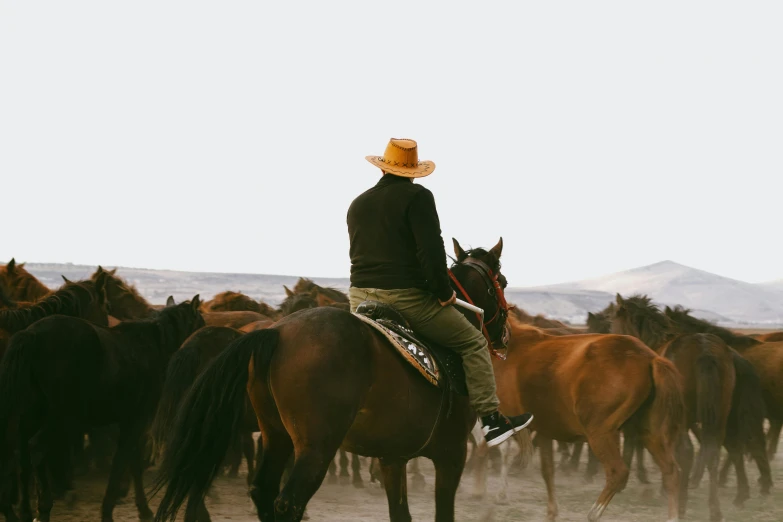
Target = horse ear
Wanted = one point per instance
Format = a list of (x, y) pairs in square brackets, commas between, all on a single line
[(288, 291), (590, 315), (65, 279), (170, 301), (497, 249), (619, 299), (195, 303), (461, 255), (100, 286), (11, 265), (99, 271), (112, 272)]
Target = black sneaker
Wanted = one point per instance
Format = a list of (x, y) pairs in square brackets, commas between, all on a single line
[(498, 428)]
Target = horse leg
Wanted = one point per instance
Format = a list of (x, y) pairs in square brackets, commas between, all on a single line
[(277, 449), (249, 449), (448, 472), (759, 454), (137, 472), (505, 462), (607, 448), (480, 464), (565, 455), (641, 471), (548, 472), (723, 477), (332, 473), (344, 475), (45, 499), (576, 455), (25, 473), (663, 452), (356, 469), (310, 467), (119, 466), (235, 457), (592, 465), (712, 457), (418, 478), (735, 456), (773, 436), (395, 481)]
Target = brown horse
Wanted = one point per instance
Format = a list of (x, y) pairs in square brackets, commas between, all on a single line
[(765, 371), (229, 301), (127, 304), (770, 337), (6, 301), (21, 284), (351, 389), (708, 376), (84, 299), (592, 386)]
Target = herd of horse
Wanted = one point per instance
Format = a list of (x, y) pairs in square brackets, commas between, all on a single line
[(92, 370)]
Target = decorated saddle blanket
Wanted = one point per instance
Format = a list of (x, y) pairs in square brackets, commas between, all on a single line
[(440, 366)]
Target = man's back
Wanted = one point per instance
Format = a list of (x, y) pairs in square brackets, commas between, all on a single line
[(395, 238)]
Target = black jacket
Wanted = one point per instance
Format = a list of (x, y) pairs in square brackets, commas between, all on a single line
[(396, 241)]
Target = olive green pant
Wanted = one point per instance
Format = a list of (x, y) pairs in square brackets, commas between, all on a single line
[(447, 327)]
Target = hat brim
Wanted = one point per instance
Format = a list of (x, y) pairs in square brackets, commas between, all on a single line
[(424, 168)]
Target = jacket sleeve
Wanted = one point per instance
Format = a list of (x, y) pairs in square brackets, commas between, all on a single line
[(423, 220)]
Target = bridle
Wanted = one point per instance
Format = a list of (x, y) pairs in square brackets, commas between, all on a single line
[(495, 290)]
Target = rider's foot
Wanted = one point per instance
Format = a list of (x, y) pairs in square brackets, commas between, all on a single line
[(498, 428)]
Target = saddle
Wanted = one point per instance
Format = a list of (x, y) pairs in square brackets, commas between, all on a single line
[(440, 366)]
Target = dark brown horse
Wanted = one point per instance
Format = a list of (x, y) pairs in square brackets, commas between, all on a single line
[(745, 431), (351, 389), (6, 301), (63, 375), (21, 284), (708, 376), (185, 365)]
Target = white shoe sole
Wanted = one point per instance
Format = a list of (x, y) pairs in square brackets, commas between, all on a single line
[(503, 438)]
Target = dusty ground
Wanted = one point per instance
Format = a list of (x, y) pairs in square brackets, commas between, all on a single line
[(344, 503)]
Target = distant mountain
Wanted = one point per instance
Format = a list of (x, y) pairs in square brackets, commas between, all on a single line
[(713, 297)]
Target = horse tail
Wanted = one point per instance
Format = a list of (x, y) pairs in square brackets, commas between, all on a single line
[(182, 370), (208, 421), (667, 412), (16, 385), (708, 394), (746, 419)]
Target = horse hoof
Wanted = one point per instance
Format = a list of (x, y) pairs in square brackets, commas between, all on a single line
[(344, 481), (146, 514), (740, 499), (358, 484)]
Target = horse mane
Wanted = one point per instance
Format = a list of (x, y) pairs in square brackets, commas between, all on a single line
[(684, 321), (72, 299), (305, 286), (230, 301), (21, 284), (5, 298), (297, 301), (651, 324), (601, 322), (117, 287), (537, 320)]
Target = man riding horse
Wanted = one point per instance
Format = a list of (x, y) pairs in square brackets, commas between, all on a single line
[(398, 258)]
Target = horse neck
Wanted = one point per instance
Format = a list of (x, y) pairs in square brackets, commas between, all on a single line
[(15, 320), (30, 289)]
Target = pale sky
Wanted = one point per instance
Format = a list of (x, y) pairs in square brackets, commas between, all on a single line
[(230, 136)]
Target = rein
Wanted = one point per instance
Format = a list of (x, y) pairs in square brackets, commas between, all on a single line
[(494, 289)]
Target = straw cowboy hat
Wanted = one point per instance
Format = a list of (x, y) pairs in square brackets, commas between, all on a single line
[(402, 159)]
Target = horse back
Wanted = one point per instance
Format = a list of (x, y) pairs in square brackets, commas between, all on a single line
[(565, 381)]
